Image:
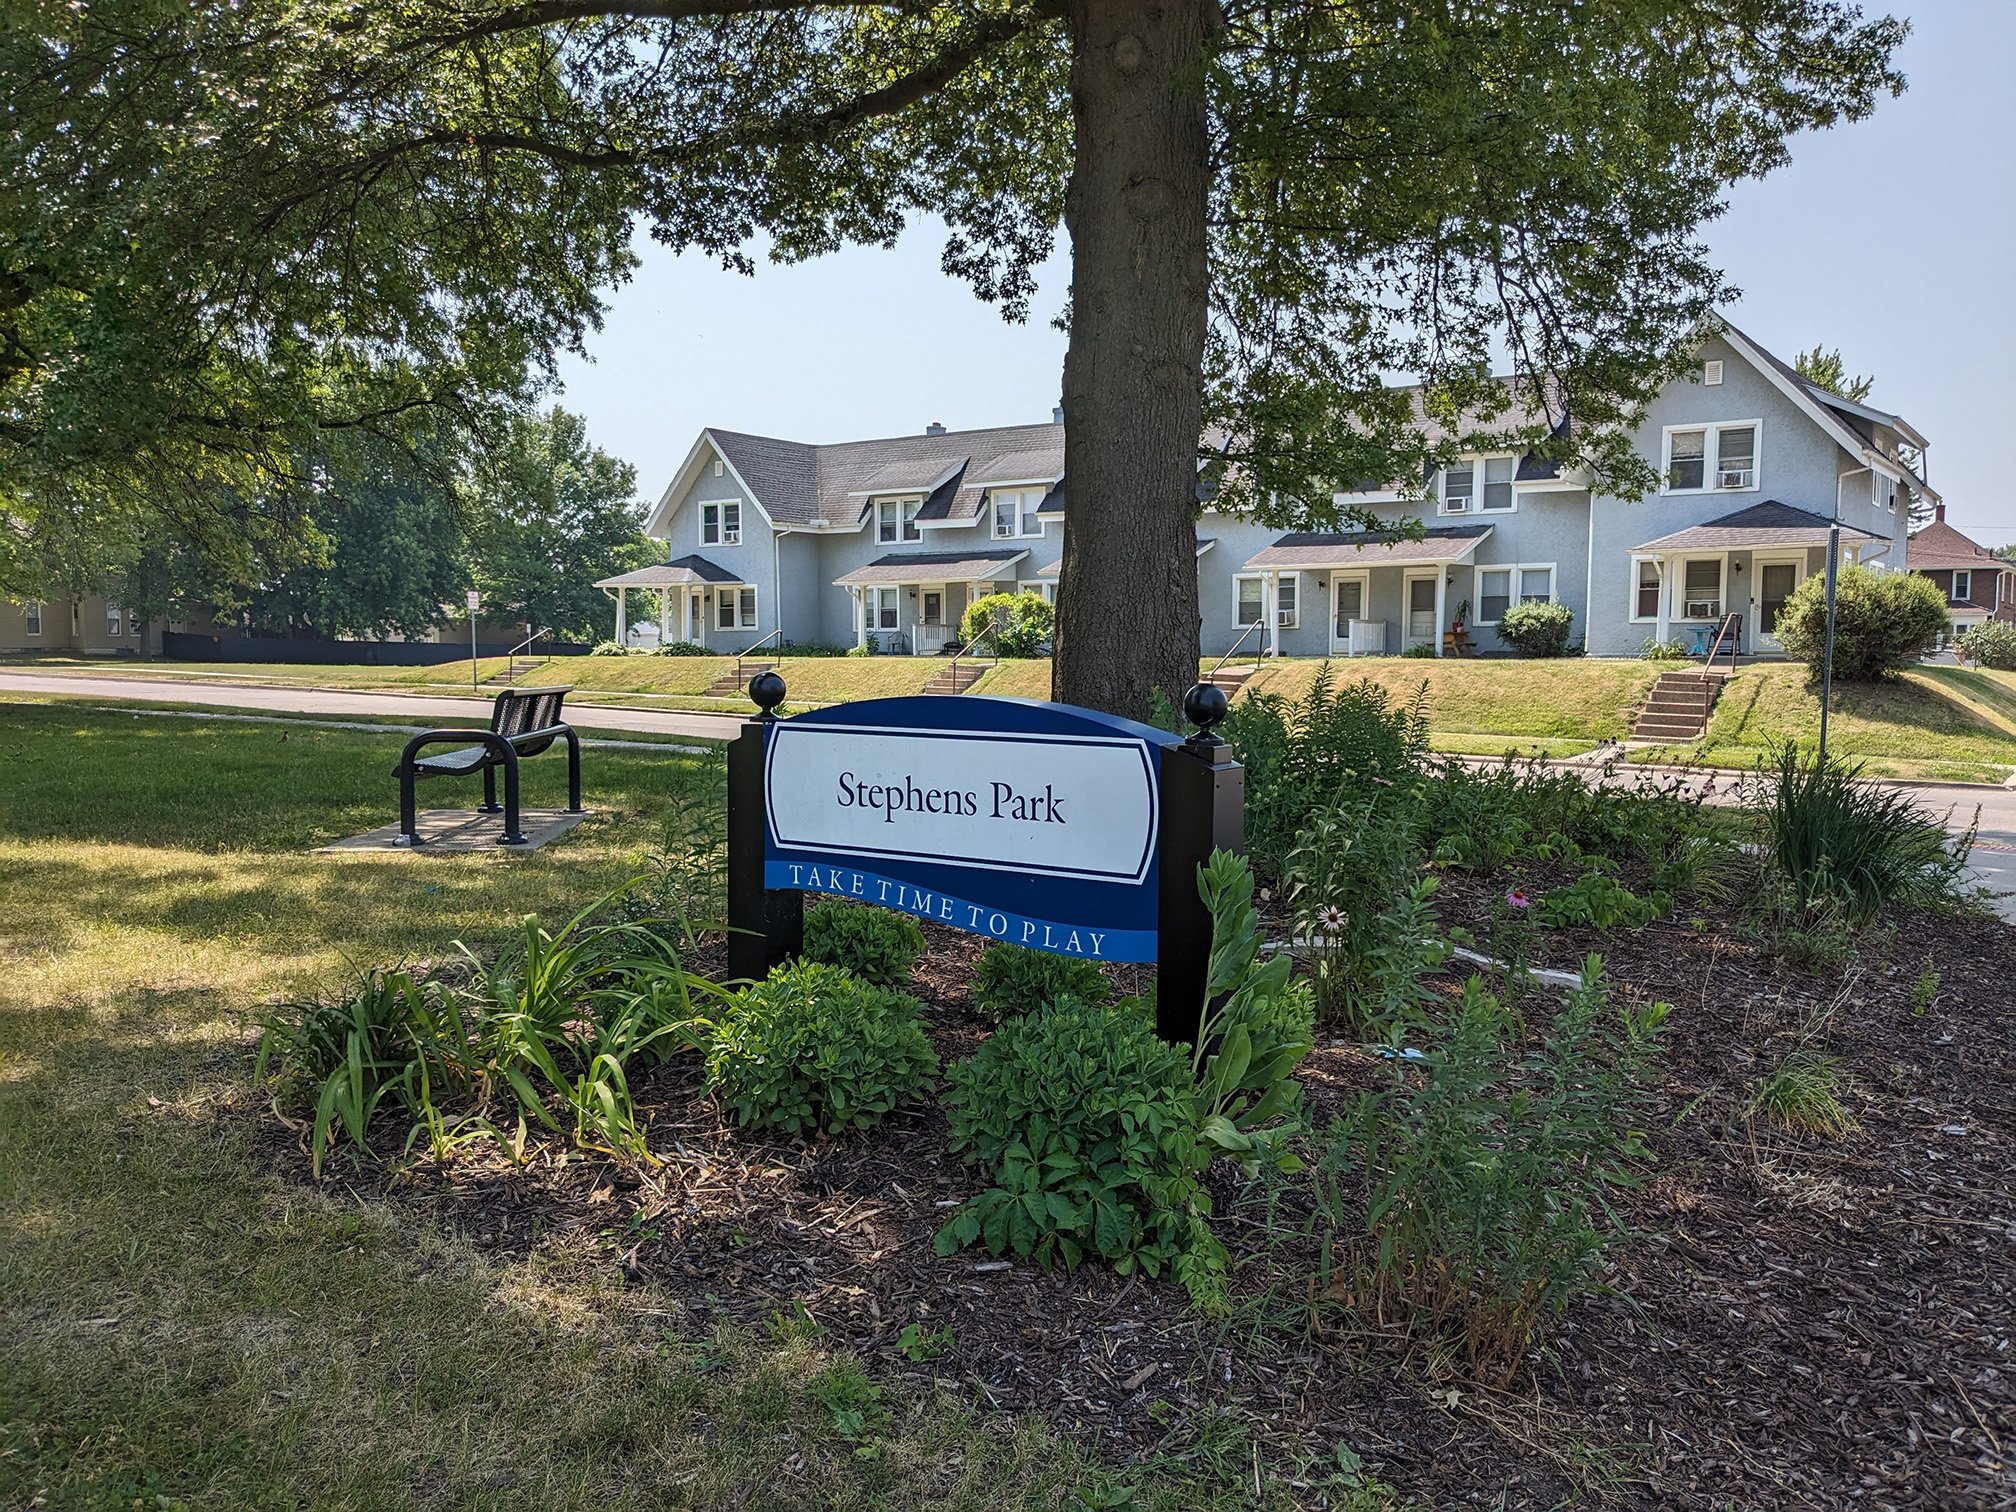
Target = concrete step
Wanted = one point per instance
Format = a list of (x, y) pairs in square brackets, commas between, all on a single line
[(956, 678), (509, 675), (737, 681), (1667, 730), (1231, 679)]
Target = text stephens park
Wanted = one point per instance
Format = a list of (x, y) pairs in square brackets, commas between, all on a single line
[(1007, 755)]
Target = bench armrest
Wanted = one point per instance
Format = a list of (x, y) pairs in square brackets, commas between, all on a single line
[(498, 745)]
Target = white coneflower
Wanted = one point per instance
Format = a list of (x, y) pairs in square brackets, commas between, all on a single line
[(1330, 918)]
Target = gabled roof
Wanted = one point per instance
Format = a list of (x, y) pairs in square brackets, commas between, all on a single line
[(932, 567), (687, 572), (1768, 524), (1359, 548), (1940, 546)]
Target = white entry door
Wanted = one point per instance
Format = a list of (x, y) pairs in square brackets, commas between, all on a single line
[(1420, 611), (1775, 581), (1348, 595)]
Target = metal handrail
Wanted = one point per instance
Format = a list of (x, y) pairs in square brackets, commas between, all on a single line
[(966, 653), (511, 656), (747, 650), (1256, 625), (1726, 630)]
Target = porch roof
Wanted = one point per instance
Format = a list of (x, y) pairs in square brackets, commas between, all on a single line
[(1768, 524), (687, 572), (1360, 548), (932, 567), (1052, 569)]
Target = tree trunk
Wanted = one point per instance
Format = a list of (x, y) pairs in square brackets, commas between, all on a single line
[(1133, 375)]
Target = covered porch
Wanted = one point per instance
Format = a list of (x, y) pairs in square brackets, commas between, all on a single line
[(1373, 595), (691, 597), (910, 603), (1747, 563)]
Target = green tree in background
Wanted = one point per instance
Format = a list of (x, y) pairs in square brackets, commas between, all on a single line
[(227, 229), (548, 517), (1827, 370)]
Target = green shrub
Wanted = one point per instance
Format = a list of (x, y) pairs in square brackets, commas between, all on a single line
[(865, 648), (875, 944), (1803, 1092), (1883, 622), (1992, 644), (1095, 1132), (1655, 649), (610, 648), (1537, 628), (685, 648), (1012, 979), (1843, 844), (1469, 1196), (813, 1048), (1300, 756), (1599, 900), (1085, 1122), (1354, 859), (1016, 624)]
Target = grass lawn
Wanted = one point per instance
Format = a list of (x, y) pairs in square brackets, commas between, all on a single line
[(1576, 700), (1934, 723), (189, 1324)]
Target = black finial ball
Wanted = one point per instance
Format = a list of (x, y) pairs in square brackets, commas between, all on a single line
[(1204, 705), (766, 691)]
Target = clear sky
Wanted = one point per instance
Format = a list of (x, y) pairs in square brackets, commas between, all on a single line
[(1893, 239)]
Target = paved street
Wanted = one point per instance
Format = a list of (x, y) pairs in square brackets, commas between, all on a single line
[(1994, 852)]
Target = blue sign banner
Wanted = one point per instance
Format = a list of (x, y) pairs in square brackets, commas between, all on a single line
[(1029, 822)]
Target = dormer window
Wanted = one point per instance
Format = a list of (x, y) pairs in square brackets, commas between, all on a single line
[(1478, 485), (721, 523), (896, 520), (1712, 458), (1015, 512)]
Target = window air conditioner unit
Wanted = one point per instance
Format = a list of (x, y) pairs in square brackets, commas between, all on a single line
[(1701, 609), (731, 538), (1736, 477), (1003, 531), (1285, 618), (1456, 506)]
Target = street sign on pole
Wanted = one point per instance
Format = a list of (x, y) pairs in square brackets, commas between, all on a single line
[(474, 599)]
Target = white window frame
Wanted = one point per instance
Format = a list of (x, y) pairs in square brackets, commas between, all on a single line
[(725, 534), (1337, 582), (1024, 513), (1291, 617), (1239, 579), (1711, 456), (31, 618), (115, 622), (1679, 602), (1512, 594), (1954, 594), (1480, 481), (1658, 567), (739, 602), (890, 596)]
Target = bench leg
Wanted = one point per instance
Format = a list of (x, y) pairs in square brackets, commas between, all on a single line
[(489, 804), (573, 772), (409, 829), (513, 835)]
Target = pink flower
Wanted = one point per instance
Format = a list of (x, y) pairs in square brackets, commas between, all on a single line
[(1518, 899)]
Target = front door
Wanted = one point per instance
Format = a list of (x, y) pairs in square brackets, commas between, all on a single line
[(1349, 606), (1775, 582), (1421, 611)]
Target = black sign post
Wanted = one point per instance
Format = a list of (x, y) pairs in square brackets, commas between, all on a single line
[(1198, 795)]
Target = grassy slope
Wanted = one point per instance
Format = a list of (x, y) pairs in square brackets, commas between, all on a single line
[(1571, 700), (188, 1323), (1934, 722)]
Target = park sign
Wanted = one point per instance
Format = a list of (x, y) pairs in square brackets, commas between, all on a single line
[(1057, 828)]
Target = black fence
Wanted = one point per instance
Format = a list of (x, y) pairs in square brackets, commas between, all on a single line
[(178, 645)]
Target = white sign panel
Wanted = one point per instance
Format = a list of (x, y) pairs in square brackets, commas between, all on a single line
[(475, 601), (1043, 805)]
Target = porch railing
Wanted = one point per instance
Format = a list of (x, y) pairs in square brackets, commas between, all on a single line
[(742, 678)]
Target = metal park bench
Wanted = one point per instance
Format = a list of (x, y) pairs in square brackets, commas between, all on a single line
[(524, 722)]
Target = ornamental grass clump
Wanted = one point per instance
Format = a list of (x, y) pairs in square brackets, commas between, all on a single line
[(1012, 979), (813, 1049), (873, 944), (1467, 1200)]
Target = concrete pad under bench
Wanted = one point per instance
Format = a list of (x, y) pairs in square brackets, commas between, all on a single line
[(458, 831)]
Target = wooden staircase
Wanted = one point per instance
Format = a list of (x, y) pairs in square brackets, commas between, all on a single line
[(517, 670), (957, 677), (1676, 710), (737, 679)]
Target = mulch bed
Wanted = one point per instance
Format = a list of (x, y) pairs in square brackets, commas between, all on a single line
[(1806, 1322)]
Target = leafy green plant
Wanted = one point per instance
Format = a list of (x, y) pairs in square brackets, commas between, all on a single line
[(1991, 644), (919, 1344), (1600, 901), (854, 1407), (1537, 628), (1353, 859), (1925, 991), (685, 648), (1468, 1198), (1883, 622), (875, 944), (813, 1048), (1655, 649), (1842, 843), (1803, 1091), (1012, 979), (1015, 624), (1086, 1123)]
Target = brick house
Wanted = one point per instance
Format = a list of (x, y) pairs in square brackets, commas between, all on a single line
[(1978, 584)]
